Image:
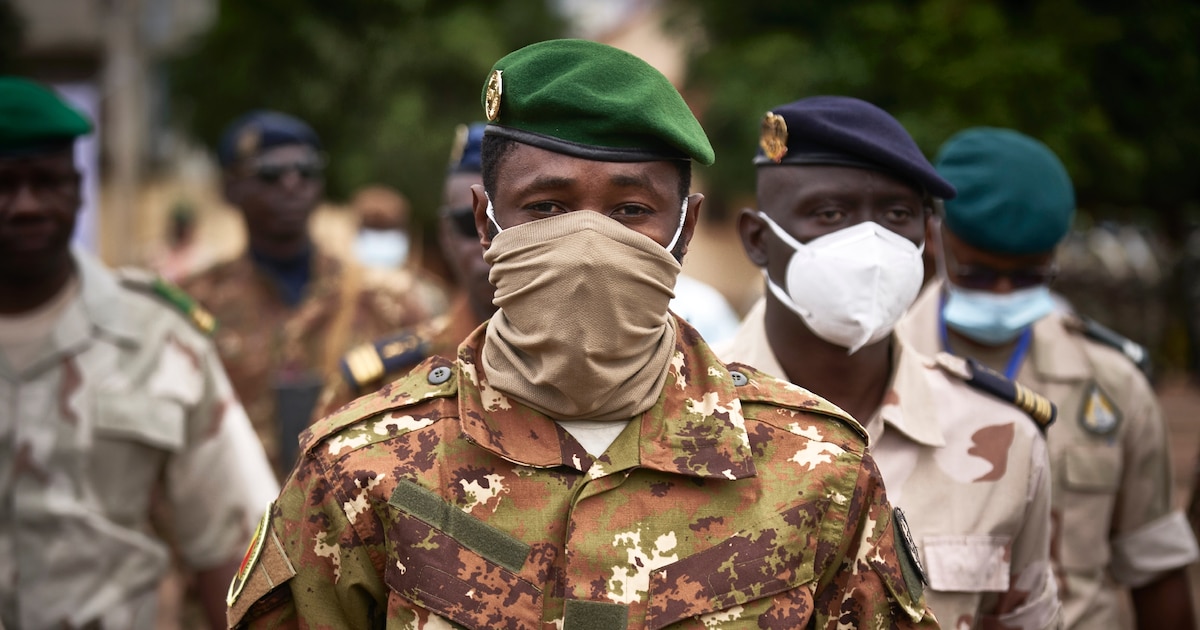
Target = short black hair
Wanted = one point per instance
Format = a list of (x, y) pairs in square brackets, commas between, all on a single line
[(495, 147)]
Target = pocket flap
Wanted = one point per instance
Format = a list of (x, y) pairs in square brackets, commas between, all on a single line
[(152, 420), (1093, 468), (969, 564)]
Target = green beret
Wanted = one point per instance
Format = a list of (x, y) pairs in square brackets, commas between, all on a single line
[(34, 119), (591, 101), (1014, 194)]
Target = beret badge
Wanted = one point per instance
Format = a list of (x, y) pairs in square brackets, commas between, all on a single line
[(461, 134), (248, 142), (495, 87), (774, 136)]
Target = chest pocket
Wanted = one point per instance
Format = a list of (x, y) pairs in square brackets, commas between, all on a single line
[(967, 564), (1092, 469), (135, 434)]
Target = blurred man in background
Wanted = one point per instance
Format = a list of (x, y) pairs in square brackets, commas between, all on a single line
[(843, 195), (1116, 527), (383, 240), (288, 311), (114, 409)]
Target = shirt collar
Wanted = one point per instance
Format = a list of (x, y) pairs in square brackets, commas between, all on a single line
[(103, 305)]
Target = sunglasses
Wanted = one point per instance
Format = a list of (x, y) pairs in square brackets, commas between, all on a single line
[(984, 278), (273, 173), (45, 185), (463, 220)]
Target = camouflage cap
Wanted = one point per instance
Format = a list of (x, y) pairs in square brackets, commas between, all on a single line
[(592, 101), (33, 119), (1014, 194)]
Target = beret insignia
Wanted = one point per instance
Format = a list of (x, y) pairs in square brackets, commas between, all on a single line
[(248, 142), (495, 87), (461, 135), (774, 137)]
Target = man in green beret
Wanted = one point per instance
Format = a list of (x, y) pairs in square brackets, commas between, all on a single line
[(1116, 525), (116, 409), (585, 461)]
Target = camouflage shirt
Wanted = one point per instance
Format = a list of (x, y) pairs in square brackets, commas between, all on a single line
[(271, 349), (737, 501)]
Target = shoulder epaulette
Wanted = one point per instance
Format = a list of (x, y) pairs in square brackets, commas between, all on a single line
[(756, 386), (364, 365), (152, 283), (1102, 334), (980, 377)]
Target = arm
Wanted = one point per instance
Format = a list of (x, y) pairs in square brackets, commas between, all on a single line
[(211, 585), (1165, 602), (873, 583)]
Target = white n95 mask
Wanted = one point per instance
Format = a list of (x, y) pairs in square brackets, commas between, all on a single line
[(852, 286)]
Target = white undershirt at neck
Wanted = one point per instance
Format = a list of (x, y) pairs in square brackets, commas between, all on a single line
[(23, 335), (595, 436)]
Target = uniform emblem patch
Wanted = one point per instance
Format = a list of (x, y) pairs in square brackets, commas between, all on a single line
[(774, 137), (492, 93), (1099, 415), (250, 559), (915, 577)]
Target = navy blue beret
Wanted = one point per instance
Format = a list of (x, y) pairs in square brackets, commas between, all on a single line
[(465, 155), (844, 131), (259, 130)]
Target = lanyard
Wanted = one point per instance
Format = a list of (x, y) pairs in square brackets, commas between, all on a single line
[(1014, 361)]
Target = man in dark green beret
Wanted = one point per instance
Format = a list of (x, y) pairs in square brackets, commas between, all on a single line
[(1117, 527), (115, 408), (585, 462)]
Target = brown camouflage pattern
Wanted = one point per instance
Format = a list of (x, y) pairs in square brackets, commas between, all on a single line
[(262, 340), (451, 505)]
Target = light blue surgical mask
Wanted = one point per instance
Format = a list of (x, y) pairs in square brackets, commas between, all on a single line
[(995, 318)]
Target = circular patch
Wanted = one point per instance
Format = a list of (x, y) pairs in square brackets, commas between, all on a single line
[(774, 137), (250, 559), (492, 93)]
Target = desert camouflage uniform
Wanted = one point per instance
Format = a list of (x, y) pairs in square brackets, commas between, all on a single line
[(394, 355), (971, 475), (265, 343), (439, 501), (1112, 506), (125, 409)]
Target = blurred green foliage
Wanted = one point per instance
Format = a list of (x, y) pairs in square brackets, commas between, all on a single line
[(11, 31), (383, 82), (1112, 87)]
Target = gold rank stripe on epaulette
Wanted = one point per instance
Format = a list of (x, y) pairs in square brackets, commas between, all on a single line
[(364, 365), (980, 377), (173, 295)]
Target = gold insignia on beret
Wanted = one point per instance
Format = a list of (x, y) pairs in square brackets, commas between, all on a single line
[(461, 133), (774, 137), (495, 87), (248, 142)]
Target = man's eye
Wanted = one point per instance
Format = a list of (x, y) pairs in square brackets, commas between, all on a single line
[(900, 214), (829, 214), (631, 210), (545, 207)]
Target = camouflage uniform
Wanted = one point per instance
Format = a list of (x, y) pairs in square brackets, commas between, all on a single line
[(1110, 462), (125, 411), (940, 443), (267, 345), (368, 366), (736, 501)]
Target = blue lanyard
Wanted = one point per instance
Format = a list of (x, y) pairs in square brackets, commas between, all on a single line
[(1014, 361)]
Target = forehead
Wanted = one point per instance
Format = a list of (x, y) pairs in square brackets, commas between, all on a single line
[(789, 181), (286, 153), (527, 165)]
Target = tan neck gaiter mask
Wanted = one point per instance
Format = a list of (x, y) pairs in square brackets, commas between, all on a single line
[(582, 330)]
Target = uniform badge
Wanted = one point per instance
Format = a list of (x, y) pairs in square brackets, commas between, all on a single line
[(251, 557), (774, 137), (915, 577), (1099, 414), (492, 93)]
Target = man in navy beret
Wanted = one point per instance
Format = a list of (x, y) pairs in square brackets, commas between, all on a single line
[(843, 198), (287, 309), (995, 248)]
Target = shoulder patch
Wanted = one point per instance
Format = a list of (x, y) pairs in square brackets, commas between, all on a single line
[(973, 373), (915, 577), (151, 283), (264, 568), (436, 377), (365, 365), (761, 387), (1098, 414), (1104, 335)]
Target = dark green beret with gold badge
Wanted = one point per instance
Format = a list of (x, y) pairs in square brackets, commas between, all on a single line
[(592, 101), (33, 119), (1014, 194)]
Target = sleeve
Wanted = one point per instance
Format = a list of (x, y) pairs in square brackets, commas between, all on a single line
[(218, 485), (313, 568), (1032, 602), (875, 579), (1150, 537)]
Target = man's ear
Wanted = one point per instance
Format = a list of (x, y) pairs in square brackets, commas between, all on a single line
[(753, 231), (479, 202), (694, 201)]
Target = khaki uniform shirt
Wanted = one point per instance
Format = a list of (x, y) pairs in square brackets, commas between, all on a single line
[(124, 409), (1111, 471), (269, 347), (971, 474), (736, 501)]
